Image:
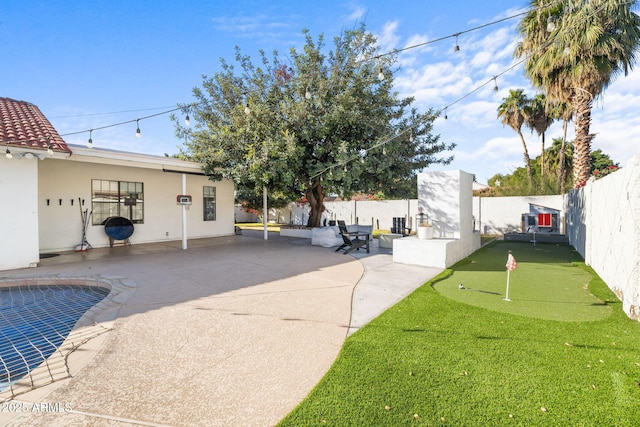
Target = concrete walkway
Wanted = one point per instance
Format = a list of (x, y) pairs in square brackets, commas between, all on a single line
[(233, 331)]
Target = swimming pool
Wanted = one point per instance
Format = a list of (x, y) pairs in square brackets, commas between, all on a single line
[(35, 319)]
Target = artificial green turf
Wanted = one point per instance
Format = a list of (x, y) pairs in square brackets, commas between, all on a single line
[(545, 284), (432, 360)]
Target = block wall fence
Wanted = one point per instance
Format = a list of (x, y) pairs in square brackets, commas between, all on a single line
[(603, 224)]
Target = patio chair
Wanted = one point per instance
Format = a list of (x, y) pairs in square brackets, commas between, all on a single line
[(349, 243), (400, 226)]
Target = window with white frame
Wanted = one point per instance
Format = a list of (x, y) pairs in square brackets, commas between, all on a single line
[(117, 198), (209, 203)]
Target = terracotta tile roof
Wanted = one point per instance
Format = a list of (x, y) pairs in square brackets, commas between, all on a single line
[(23, 125)]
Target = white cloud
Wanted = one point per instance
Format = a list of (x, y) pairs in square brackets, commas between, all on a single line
[(388, 40), (357, 14)]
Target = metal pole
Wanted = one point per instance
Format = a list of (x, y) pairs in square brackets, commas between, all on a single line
[(184, 214), (506, 298), (265, 211)]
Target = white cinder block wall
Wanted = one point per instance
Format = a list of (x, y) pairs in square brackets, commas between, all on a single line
[(603, 224)]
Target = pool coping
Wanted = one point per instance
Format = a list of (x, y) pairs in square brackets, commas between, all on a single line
[(95, 323)]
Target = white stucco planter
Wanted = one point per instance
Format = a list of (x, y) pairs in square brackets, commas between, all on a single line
[(425, 233)]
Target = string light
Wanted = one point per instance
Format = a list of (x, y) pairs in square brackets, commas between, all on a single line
[(90, 142), (49, 150), (187, 122), (495, 85), (381, 77), (8, 154)]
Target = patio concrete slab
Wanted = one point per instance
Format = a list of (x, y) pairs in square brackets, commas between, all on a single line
[(233, 331)]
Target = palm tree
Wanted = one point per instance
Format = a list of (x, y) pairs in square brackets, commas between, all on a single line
[(513, 112), (539, 119), (562, 111), (558, 157), (573, 50)]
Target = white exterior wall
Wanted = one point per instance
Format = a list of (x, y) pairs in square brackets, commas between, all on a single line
[(363, 212), (491, 215), (499, 215), (61, 225), (446, 199), (378, 213), (604, 227), (18, 212)]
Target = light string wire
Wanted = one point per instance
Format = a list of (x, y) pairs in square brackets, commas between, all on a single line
[(186, 107), (544, 46), (191, 105)]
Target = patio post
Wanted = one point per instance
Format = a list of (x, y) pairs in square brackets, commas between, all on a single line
[(265, 212), (184, 213)]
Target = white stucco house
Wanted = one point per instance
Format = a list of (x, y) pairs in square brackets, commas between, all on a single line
[(46, 185)]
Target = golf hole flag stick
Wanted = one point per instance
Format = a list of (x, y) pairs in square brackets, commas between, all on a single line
[(511, 265)]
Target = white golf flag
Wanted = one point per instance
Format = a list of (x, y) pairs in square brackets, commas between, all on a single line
[(511, 265), (511, 262)]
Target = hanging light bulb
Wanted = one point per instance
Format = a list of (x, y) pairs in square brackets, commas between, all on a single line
[(187, 121), (8, 154), (384, 150), (457, 47), (551, 24), (247, 110), (445, 113), (49, 150), (90, 141), (138, 135), (411, 137), (381, 75), (495, 85), (307, 94)]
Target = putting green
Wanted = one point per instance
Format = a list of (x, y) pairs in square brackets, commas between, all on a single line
[(545, 284)]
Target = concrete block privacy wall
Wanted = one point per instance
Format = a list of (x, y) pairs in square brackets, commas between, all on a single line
[(491, 215), (499, 215), (603, 224)]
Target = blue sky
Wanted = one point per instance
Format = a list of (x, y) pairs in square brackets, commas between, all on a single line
[(89, 64)]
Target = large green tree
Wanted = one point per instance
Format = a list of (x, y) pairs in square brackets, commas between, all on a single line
[(573, 50), (318, 122)]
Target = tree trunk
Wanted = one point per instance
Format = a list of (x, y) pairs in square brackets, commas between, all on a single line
[(582, 142), (542, 160), (315, 197), (562, 169), (527, 160)]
